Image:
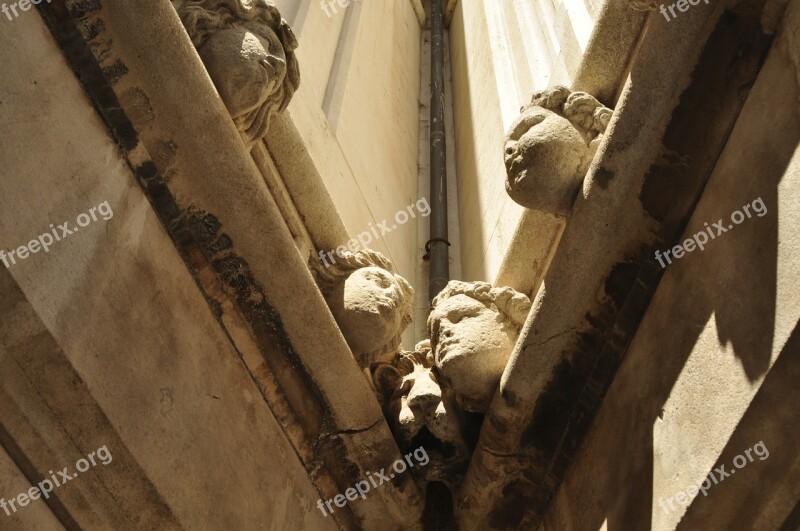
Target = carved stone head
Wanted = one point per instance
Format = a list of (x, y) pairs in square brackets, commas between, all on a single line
[(421, 413), (371, 304), (248, 50), (473, 328), (549, 147)]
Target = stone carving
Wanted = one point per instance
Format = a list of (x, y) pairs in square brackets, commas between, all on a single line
[(371, 304), (473, 328), (549, 147), (248, 50), (420, 412)]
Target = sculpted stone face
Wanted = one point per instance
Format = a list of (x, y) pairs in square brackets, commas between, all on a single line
[(248, 51), (248, 70), (422, 405), (420, 412), (367, 307), (471, 345), (546, 158)]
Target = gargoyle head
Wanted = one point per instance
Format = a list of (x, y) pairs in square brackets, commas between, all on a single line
[(549, 147), (248, 51), (421, 413)]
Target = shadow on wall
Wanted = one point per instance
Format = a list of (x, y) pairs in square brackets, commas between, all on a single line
[(772, 417), (734, 282)]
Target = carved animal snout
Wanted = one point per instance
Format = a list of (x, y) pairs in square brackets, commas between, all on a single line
[(424, 396)]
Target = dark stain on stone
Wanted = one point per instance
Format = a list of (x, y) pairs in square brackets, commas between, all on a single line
[(658, 192), (164, 203), (233, 271), (727, 68), (164, 155), (216, 307), (222, 243), (146, 172), (91, 28), (114, 72), (100, 50), (89, 73), (333, 450), (602, 177), (549, 416), (620, 280), (82, 8)]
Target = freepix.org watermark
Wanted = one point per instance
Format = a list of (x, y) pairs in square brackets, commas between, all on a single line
[(330, 5), (46, 486), (24, 5), (682, 5), (361, 488), (47, 239), (363, 239), (698, 240), (686, 496)]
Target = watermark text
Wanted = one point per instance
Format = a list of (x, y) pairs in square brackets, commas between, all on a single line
[(47, 239), (717, 475), (58, 479)]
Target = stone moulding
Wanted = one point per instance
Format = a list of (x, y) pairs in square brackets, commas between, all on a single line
[(603, 274), (213, 179)]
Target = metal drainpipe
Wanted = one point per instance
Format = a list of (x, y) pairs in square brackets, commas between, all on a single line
[(436, 247)]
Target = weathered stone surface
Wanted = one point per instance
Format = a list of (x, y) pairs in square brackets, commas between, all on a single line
[(107, 340), (549, 147), (473, 329), (371, 304), (248, 50), (598, 282), (350, 434)]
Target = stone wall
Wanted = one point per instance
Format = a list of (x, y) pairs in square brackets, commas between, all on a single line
[(107, 340), (713, 368)]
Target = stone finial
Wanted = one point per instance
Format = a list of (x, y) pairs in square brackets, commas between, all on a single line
[(549, 147), (420, 412), (371, 304), (473, 329), (248, 50)]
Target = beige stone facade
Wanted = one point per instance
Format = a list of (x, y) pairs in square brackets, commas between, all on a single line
[(214, 230)]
